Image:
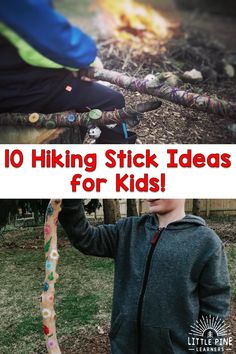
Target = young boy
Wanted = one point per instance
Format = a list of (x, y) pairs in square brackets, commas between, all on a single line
[(41, 54), (170, 270)]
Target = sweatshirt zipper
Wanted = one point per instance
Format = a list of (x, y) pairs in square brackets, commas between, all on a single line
[(154, 242)]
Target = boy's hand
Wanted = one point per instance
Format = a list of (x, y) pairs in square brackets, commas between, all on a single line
[(96, 64)]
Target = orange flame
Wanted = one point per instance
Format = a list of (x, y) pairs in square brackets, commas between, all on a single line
[(131, 19)]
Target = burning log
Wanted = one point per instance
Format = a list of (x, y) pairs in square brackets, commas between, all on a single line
[(130, 115), (132, 22), (181, 97)]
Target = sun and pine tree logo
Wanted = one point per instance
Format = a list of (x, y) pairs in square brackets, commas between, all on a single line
[(210, 334)]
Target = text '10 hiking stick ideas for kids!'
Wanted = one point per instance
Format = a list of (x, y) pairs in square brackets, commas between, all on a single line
[(137, 169)]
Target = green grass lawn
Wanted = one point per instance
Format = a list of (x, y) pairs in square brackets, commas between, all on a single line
[(83, 295), (231, 255)]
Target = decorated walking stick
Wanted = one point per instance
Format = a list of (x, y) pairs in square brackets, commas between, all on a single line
[(52, 256), (153, 87), (130, 115)]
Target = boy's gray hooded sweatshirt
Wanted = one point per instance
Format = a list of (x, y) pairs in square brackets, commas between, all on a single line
[(164, 279)]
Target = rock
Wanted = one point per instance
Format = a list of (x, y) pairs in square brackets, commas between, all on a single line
[(170, 79), (225, 68), (232, 129), (150, 77), (152, 81), (229, 70), (193, 76), (100, 330), (138, 141)]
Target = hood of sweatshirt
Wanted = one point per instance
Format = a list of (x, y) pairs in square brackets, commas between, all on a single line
[(187, 222)]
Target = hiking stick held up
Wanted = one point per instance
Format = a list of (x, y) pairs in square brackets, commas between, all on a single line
[(51, 276)]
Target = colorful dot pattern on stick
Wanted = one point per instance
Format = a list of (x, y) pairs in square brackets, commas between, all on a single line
[(51, 276), (47, 230), (46, 313), (54, 254), (51, 259), (46, 330), (50, 124), (34, 117), (49, 265), (45, 287), (51, 343), (95, 114), (71, 118), (47, 245), (50, 298), (49, 210)]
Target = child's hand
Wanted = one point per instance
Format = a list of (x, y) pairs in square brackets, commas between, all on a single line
[(96, 64)]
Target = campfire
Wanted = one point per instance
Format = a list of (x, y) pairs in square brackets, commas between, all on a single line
[(133, 23)]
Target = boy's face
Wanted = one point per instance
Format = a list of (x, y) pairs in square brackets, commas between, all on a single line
[(164, 206)]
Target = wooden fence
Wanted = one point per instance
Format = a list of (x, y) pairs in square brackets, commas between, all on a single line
[(211, 207), (208, 207)]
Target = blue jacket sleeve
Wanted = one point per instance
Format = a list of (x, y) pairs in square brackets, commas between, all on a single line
[(48, 32)]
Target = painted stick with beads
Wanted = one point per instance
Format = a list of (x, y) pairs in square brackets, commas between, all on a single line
[(48, 295), (130, 115), (178, 96)]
